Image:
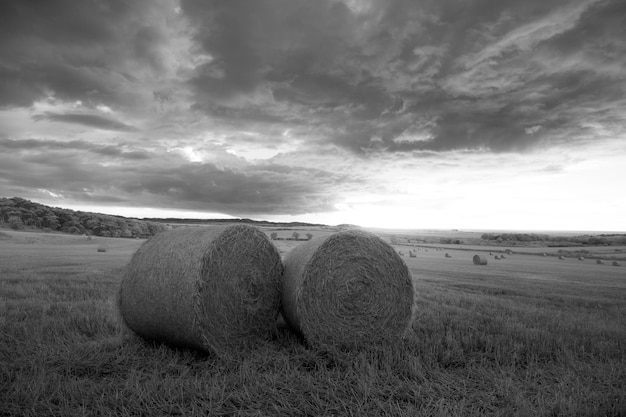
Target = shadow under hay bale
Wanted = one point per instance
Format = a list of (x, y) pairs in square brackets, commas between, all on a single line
[(350, 289), (479, 260), (215, 289)]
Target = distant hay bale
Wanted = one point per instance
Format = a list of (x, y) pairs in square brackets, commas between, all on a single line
[(412, 254), (544, 254), (581, 258), (102, 247), (479, 260), (615, 263), (348, 289), (599, 261), (490, 253), (561, 257), (215, 289), (502, 256), (509, 252), (497, 257), (447, 255)]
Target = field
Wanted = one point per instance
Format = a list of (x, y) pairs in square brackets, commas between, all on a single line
[(528, 335)]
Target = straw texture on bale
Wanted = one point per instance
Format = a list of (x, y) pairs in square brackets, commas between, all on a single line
[(479, 260), (215, 289), (349, 289)]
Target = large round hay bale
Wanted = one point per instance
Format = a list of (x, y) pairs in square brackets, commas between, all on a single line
[(348, 289), (479, 260), (210, 288)]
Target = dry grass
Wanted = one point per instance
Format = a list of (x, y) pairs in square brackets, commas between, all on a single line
[(531, 336)]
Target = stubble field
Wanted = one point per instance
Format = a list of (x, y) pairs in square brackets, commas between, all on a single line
[(527, 335)]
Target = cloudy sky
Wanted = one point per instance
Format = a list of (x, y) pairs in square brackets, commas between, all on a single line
[(481, 114)]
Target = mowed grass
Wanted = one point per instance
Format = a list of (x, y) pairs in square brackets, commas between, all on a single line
[(523, 336)]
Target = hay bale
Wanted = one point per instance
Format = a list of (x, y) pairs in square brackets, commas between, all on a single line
[(102, 247), (497, 257), (561, 257), (599, 261), (581, 258), (615, 263), (479, 260), (448, 255), (215, 289), (348, 289)]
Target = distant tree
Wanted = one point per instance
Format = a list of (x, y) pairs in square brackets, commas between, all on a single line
[(274, 235), (16, 223), (295, 235), (309, 236)]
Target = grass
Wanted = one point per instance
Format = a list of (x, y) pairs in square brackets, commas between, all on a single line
[(515, 338)]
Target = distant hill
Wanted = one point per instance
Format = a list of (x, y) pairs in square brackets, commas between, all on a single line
[(241, 221), (21, 214)]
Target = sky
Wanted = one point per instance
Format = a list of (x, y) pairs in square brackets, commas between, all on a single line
[(466, 114)]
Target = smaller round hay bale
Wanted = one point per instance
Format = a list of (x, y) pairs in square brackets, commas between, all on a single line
[(102, 247), (581, 258), (561, 257), (491, 253), (615, 263), (599, 261), (479, 260), (448, 255), (497, 257), (502, 256), (509, 252), (347, 290)]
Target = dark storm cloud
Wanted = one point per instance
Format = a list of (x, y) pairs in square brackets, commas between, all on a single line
[(40, 147), (135, 179), (485, 71), (91, 120), (73, 50)]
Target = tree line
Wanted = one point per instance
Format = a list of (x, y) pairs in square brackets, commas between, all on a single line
[(594, 240), (21, 214)]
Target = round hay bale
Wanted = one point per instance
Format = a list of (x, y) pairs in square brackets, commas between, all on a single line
[(599, 261), (561, 257), (479, 260), (497, 257), (448, 255), (103, 248), (615, 263), (348, 289), (581, 258), (215, 289)]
